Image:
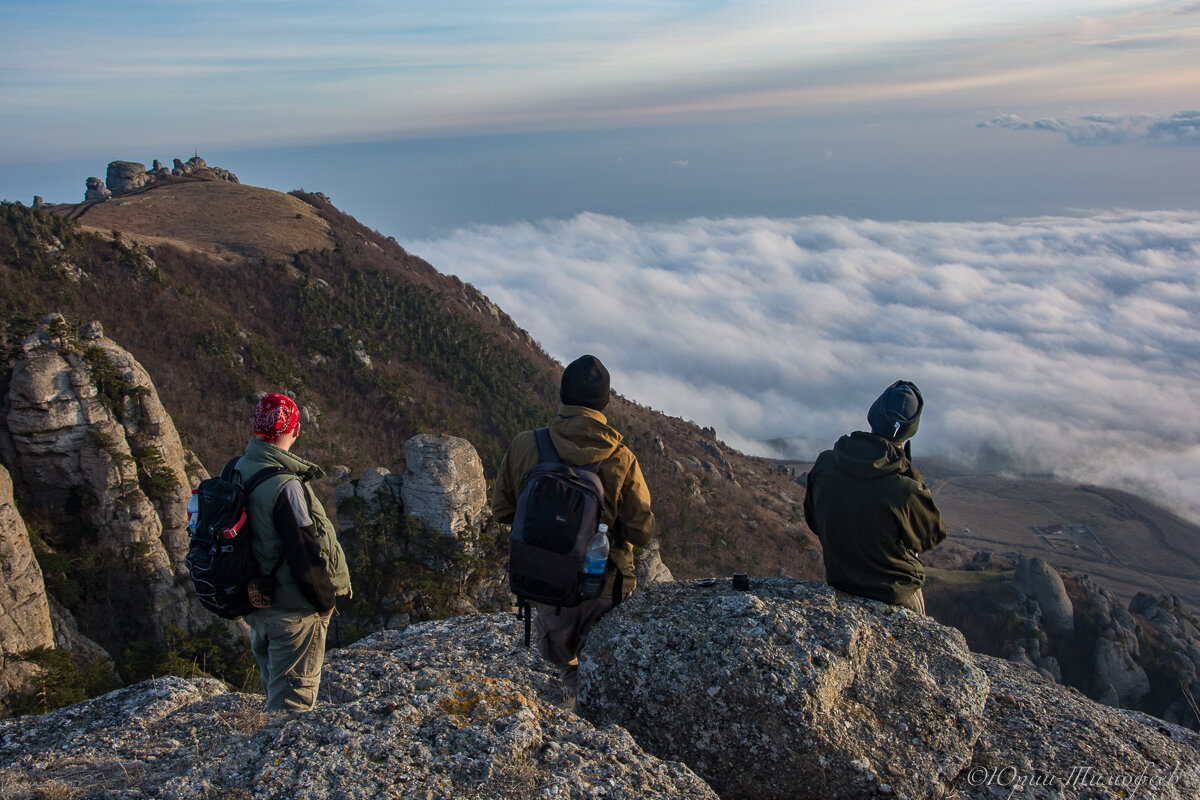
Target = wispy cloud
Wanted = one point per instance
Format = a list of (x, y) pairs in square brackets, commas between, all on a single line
[(1063, 345), (1178, 129)]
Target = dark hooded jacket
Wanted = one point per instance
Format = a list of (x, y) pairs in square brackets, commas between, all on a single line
[(873, 514), (581, 435)]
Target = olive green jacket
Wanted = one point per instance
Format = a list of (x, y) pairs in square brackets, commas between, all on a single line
[(874, 515), (268, 546), (582, 436)]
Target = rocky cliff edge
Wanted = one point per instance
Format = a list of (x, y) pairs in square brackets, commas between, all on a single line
[(787, 690)]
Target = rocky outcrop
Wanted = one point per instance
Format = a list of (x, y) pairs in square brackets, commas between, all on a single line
[(787, 690), (454, 709), (875, 702), (1124, 680), (96, 191), (444, 485), (649, 566), (97, 451), (1036, 579), (24, 610), (125, 176)]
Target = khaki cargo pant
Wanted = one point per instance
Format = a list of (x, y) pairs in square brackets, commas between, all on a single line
[(561, 632), (289, 647)]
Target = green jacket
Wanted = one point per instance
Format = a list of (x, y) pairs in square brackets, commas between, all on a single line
[(303, 592), (873, 514), (582, 436)]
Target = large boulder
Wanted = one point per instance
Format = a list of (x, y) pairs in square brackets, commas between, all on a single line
[(24, 609), (787, 690), (1036, 579), (444, 485), (96, 191), (454, 709), (125, 176)]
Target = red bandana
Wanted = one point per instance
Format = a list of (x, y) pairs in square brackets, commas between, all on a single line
[(274, 416)]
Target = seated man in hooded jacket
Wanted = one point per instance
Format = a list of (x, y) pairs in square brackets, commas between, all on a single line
[(870, 507)]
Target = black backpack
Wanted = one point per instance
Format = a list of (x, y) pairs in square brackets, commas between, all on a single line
[(220, 551), (558, 510)]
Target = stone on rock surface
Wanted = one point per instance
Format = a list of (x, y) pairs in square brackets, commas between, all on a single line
[(788, 690)]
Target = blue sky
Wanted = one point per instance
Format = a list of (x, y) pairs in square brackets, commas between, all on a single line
[(651, 110)]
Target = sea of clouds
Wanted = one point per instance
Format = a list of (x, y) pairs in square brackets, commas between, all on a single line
[(1063, 345)]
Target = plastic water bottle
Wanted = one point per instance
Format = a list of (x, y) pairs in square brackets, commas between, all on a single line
[(193, 507), (594, 563)]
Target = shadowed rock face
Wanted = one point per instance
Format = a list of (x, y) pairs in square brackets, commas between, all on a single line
[(787, 690), (453, 709), (24, 610), (94, 445)]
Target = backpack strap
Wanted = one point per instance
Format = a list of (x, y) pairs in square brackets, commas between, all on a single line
[(262, 476)]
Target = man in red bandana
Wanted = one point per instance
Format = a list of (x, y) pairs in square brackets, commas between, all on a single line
[(299, 556)]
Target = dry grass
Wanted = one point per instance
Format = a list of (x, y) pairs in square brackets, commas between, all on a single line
[(213, 217)]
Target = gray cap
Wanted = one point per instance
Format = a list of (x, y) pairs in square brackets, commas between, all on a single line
[(896, 413)]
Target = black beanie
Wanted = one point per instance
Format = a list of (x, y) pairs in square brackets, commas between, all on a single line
[(896, 413), (585, 383)]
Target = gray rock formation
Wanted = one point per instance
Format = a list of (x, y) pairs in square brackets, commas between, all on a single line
[(459, 709), (454, 709), (649, 566), (364, 501), (1036, 579), (444, 485), (787, 690), (95, 446), (95, 191), (1042, 740), (24, 610), (1114, 667), (125, 176)]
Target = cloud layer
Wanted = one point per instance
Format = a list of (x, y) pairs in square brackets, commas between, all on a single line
[(1057, 344), (1178, 129)]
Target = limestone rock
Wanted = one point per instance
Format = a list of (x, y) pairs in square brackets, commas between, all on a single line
[(1037, 579), (649, 565), (788, 690), (24, 609), (1114, 665), (368, 498), (96, 191), (444, 485), (125, 176), (453, 709), (92, 440)]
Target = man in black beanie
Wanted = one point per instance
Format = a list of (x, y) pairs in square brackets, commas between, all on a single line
[(581, 436), (870, 507)]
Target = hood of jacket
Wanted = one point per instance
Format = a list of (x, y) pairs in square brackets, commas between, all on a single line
[(581, 435), (865, 456)]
